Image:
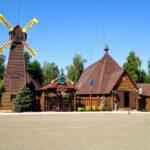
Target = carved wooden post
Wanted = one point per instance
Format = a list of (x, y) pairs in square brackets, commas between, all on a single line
[(74, 100), (90, 100), (42, 101)]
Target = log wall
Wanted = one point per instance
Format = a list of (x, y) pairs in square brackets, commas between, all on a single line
[(147, 107)]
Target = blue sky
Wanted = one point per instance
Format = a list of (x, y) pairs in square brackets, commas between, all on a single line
[(67, 27)]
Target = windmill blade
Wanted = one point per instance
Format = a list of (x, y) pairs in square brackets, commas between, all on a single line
[(2, 48), (32, 23), (31, 51), (5, 22)]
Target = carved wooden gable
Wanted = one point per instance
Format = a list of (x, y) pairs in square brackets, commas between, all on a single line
[(126, 84)]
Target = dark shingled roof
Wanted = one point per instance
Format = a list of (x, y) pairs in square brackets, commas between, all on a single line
[(145, 87), (102, 76)]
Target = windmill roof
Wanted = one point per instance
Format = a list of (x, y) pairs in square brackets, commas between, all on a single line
[(100, 77)]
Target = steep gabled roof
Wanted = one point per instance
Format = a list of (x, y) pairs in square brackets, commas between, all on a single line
[(57, 82), (103, 75)]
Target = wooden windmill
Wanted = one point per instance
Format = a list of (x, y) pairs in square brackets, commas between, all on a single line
[(15, 76)]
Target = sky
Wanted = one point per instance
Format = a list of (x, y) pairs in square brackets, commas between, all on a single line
[(67, 27)]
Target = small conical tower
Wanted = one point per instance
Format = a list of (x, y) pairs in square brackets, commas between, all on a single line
[(106, 49)]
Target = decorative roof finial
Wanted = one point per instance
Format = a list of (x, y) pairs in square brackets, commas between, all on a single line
[(62, 78), (106, 49)]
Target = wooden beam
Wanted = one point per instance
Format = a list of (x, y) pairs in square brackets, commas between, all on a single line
[(75, 101), (90, 100)]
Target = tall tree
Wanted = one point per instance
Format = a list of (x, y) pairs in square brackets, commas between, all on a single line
[(147, 79), (133, 67), (35, 70), (27, 58), (50, 72), (2, 66), (149, 68), (75, 70)]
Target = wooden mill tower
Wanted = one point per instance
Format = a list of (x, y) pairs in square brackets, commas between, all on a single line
[(15, 75)]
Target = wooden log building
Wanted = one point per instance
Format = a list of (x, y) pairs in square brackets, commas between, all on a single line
[(59, 95), (106, 84)]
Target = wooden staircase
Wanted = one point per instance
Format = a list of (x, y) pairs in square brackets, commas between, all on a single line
[(6, 103)]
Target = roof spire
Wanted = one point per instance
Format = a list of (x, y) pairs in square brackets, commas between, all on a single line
[(106, 49)]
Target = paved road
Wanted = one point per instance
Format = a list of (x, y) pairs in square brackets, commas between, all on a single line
[(75, 132)]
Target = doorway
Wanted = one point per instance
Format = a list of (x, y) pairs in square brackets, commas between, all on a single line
[(126, 99)]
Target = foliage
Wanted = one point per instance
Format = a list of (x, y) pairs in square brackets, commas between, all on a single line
[(101, 108), (27, 58), (35, 70), (133, 67), (2, 66), (33, 67), (93, 107), (1, 87), (142, 76), (110, 109), (149, 68), (66, 95), (147, 79), (23, 101), (75, 70), (87, 108), (50, 72), (79, 109)]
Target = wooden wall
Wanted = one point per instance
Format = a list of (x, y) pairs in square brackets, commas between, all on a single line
[(147, 107), (95, 101), (85, 101), (132, 99)]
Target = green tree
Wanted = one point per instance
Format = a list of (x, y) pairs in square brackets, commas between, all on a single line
[(50, 72), (142, 76), (27, 58), (147, 79), (133, 67), (2, 66), (149, 68), (75, 70), (35, 70), (1, 87), (23, 101)]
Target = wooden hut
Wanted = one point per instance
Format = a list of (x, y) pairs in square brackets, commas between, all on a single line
[(106, 84), (144, 96), (59, 95)]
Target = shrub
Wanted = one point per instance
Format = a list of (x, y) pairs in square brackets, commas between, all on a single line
[(79, 109), (94, 108), (23, 101), (101, 108), (87, 108), (1, 86), (110, 108)]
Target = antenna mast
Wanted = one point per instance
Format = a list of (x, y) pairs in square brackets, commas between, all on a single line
[(18, 12)]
